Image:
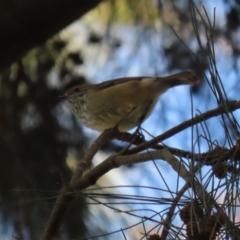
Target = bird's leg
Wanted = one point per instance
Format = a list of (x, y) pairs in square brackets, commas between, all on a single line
[(124, 117)]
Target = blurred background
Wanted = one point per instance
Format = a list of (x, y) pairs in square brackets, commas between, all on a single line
[(47, 46)]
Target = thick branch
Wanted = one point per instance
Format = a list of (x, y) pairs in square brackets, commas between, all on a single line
[(65, 197)]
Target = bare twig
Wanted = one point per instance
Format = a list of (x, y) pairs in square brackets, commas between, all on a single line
[(167, 222)]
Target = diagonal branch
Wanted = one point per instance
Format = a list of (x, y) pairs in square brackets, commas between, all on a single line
[(66, 197), (232, 106)]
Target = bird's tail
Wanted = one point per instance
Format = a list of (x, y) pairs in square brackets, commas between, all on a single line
[(182, 78)]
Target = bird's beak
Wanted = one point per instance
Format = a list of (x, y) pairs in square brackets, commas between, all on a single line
[(62, 97)]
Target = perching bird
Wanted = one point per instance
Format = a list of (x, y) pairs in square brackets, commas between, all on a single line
[(124, 103)]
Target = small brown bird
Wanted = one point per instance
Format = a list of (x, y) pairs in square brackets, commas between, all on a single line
[(124, 103)]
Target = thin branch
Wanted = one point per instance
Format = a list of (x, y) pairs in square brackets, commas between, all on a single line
[(167, 222), (82, 165), (232, 106)]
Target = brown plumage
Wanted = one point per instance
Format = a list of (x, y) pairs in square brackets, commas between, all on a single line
[(124, 102)]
